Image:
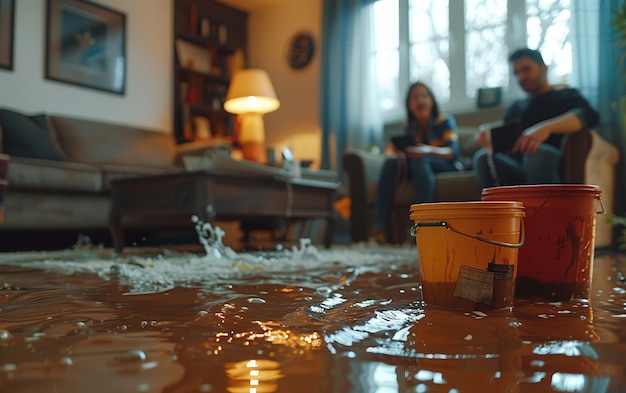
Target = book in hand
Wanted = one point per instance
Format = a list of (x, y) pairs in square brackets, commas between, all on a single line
[(401, 142), (503, 138)]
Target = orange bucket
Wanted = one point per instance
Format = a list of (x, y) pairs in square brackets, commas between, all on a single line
[(468, 253), (555, 263)]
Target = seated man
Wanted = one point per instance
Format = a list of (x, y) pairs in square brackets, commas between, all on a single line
[(544, 116)]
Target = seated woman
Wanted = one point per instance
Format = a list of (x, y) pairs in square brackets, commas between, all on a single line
[(436, 150)]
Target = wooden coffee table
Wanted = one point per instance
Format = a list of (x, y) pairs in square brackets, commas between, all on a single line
[(225, 197)]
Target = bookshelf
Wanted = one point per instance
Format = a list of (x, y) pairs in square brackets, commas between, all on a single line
[(210, 44)]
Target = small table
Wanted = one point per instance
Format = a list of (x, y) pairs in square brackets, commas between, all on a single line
[(215, 196)]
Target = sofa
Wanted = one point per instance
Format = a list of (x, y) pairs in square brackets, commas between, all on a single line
[(60, 168), (588, 158)]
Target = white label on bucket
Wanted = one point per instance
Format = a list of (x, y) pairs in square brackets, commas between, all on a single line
[(474, 284)]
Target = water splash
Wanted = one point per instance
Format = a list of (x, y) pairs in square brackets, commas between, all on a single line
[(149, 273)]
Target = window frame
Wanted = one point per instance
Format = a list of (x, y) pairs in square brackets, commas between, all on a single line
[(516, 36)]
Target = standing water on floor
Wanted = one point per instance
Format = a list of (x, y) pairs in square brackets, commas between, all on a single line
[(292, 320)]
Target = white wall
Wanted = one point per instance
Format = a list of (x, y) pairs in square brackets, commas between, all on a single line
[(148, 99), (296, 123)]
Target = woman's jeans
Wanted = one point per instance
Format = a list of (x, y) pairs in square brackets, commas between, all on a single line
[(541, 167), (421, 171)]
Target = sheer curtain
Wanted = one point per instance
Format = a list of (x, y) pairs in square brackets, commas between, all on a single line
[(595, 75), (349, 113)]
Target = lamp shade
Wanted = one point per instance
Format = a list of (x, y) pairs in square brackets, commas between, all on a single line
[(251, 91)]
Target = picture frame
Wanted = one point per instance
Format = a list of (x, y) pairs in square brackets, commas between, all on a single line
[(86, 45), (489, 96), (7, 28)]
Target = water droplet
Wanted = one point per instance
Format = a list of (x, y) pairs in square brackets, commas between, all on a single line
[(256, 300), (114, 270), (66, 361), (421, 388), (583, 318), (324, 290), (202, 313), (135, 354), (4, 334), (144, 324), (468, 337)]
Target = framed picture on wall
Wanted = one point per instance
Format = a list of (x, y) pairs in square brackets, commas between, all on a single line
[(7, 17), (86, 45), (489, 96)]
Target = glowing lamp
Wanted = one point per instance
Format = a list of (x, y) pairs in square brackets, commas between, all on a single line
[(251, 95)]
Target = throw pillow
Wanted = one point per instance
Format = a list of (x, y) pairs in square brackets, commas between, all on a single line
[(28, 136)]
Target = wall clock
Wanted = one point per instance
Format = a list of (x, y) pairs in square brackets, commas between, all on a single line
[(301, 50)]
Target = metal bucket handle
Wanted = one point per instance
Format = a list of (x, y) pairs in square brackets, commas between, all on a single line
[(602, 206), (444, 224)]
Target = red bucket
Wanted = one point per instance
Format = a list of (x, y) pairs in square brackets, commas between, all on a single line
[(555, 263)]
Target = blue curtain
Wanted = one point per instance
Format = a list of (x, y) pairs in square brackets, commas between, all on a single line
[(595, 74), (349, 112)]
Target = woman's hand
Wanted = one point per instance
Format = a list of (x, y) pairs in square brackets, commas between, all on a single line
[(420, 150)]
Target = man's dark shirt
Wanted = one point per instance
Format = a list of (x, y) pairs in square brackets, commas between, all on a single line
[(532, 110)]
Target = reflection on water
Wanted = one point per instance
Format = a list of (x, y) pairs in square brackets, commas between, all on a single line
[(299, 320)]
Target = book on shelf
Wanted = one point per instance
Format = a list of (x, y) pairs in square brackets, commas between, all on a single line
[(193, 57), (234, 63), (193, 19)]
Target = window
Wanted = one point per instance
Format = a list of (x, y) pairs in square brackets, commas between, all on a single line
[(459, 46)]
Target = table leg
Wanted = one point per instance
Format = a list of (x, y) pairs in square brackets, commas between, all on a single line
[(331, 222), (117, 232)]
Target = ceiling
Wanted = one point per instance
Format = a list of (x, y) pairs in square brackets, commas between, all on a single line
[(251, 5)]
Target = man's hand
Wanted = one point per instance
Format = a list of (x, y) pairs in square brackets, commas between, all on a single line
[(531, 138), (484, 137)]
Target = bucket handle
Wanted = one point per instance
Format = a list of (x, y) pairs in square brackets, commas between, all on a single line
[(602, 206), (444, 224)]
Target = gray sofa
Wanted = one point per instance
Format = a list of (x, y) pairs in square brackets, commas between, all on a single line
[(588, 158), (60, 168)]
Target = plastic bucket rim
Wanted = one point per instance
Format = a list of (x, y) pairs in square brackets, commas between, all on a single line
[(543, 188), (462, 210)]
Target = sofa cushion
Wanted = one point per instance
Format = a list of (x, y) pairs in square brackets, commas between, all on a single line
[(457, 187), (451, 187), (36, 174), (468, 141), (97, 143), (29, 136)]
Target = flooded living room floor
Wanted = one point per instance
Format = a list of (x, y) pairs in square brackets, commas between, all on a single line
[(294, 319)]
